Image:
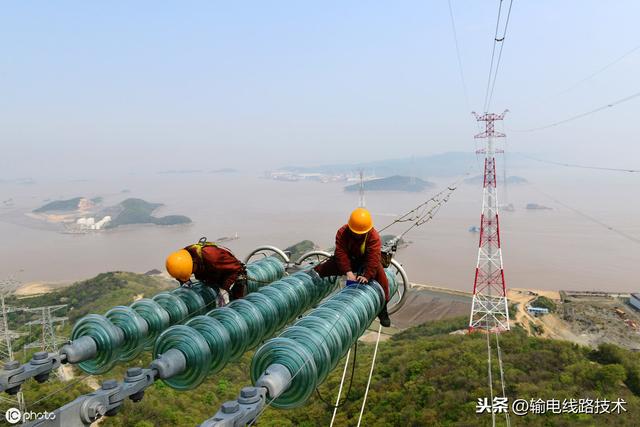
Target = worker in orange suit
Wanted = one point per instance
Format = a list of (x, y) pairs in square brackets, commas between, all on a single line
[(358, 256), (213, 265)]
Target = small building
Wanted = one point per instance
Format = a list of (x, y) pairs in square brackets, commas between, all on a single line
[(634, 300), (537, 310)]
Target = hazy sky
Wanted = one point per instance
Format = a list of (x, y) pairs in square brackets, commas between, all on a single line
[(95, 87)]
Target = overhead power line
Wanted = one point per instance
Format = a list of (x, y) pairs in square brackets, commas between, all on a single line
[(493, 73), (493, 54), (581, 115), (599, 71), (572, 165), (592, 219), (460, 69)]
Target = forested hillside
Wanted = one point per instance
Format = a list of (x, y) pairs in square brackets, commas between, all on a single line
[(424, 377)]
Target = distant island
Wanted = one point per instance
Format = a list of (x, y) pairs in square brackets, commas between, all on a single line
[(19, 181), (536, 207), (68, 205), (393, 183), (138, 211), (195, 171), (445, 164), (179, 171), (223, 170), (81, 215)]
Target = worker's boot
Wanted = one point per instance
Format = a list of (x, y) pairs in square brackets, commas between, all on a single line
[(383, 316)]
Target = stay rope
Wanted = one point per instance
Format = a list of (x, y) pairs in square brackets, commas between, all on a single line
[(373, 364)]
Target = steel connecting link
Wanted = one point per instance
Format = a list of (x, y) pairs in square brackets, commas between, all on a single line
[(109, 398), (99, 342), (252, 400)]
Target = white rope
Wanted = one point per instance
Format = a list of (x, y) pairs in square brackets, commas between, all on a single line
[(504, 395), (344, 374), (493, 414), (373, 364)]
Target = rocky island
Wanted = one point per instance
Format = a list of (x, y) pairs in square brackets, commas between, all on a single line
[(81, 215)]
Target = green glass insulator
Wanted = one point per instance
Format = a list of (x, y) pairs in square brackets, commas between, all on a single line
[(330, 334), (391, 278), (195, 303), (297, 359), (338, 322), (348, 313), (176, 308), (304, 291), (196, 351), (156, 317), (208, 294), (236, 327), (217, 337), (292, 295), (269, 312), (108, 339), (253, 317), (281, 302), (134, 328), (315, 343), (358, 300), (263, 272)]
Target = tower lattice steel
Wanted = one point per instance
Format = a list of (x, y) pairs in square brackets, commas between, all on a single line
[(489, 309)]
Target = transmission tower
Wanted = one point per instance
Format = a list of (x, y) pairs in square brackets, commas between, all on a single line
[(7, 287), (47, 339), (361, 202), (489, 309)]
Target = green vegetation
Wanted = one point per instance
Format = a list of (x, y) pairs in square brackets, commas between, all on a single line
[(424, 376), (544, 302), (60, 206), (96, 295), (138, 211), (393, 183), (100, 293)]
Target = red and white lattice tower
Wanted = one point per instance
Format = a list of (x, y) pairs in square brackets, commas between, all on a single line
[(489, 309)]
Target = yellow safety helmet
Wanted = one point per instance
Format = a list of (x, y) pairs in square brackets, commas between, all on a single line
[(360, 221), (180, 265)]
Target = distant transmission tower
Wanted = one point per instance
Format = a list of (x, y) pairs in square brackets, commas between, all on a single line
[(7, 287), (47, 339), (361, 201), (489, 309)]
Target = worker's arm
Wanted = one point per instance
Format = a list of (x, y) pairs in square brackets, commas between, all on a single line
[(340, 253), (372, 255)]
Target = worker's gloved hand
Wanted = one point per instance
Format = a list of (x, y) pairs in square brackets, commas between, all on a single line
[(362, 279), (351, 276)]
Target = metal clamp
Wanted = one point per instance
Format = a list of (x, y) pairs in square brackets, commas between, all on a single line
[(251, 401), (239, 412), (106, 401), (39, 368)]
